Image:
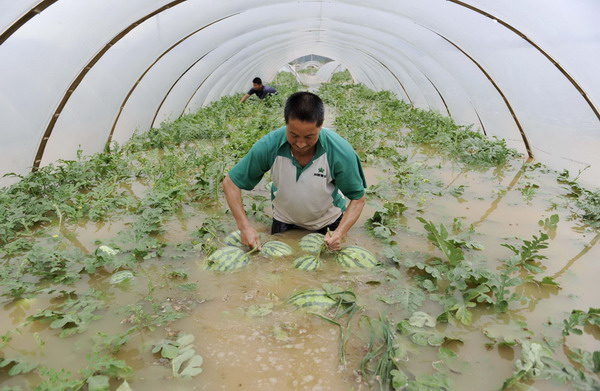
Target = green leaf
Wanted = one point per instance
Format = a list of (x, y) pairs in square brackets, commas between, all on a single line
[(511, 333), (462, 312), (122, 276), (421, 335), (187, 364), (453, 254), (168, 349), (124, 386), (19, 366), (407, 297), (280, 334), (421, 319), (399, 379), (259, 310), (98, 383)]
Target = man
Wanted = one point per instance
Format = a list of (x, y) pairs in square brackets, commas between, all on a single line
[(258, 88), (310, 167)]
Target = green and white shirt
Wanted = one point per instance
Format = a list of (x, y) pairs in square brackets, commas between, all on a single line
[(311, 197)]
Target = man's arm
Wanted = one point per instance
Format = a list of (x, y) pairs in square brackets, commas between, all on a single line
[(244, 98), (233, 194), (352, 213)]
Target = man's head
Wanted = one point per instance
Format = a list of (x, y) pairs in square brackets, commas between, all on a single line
[(304, 114), (306, 107), (257, 83)]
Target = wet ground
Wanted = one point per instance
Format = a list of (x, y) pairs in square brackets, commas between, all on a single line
[(251, 339)]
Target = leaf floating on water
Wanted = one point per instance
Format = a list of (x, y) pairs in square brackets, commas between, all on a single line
[(258, 310), (280, 334), (122, 276), (421, 330), (124, 386), (420, 319), (98, 383), (107, 250), (227, 258), (187, 363), (276, 248), (508, 334), (313, 243)]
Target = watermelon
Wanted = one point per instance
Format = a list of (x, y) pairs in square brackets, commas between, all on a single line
[(356, 257), (313, 243), (227, 258), (307, 262), (312, 299), (234, 239), (275, 248)]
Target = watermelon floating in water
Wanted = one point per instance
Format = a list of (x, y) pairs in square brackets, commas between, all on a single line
[(312, 243), (275, 248), (307, 262), (312, 299), (356, 257), (234, 239), (227, 258)]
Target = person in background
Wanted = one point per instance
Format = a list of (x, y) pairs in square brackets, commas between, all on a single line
[(261, 90), (313, 169)]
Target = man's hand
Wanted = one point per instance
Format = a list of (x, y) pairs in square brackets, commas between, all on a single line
[(333, 239), (233, 194), (250, 238)]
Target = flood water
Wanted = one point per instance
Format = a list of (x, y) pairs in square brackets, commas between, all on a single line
[(250, 338)]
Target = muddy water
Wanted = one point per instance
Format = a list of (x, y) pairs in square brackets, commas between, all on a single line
[(281, 348)]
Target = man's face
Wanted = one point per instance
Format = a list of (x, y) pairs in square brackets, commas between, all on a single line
[(302, 136), (257, 86)]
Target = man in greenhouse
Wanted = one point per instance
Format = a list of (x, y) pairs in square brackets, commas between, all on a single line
[(261, 90), (312, 169)]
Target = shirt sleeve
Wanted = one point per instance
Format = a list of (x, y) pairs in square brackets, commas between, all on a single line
[(350, 179), (251, 91), (249, 171), (346, 168)]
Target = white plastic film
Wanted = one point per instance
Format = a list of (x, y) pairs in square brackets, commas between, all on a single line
[(507, 68)]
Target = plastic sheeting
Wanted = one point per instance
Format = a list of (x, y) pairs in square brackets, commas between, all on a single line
[(84, 73), (327, 70)]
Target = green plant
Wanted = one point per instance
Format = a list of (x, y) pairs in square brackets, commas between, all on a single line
[(185, 363), (73, 315)]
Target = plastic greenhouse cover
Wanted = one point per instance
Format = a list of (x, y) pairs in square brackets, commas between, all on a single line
[(483, 62)]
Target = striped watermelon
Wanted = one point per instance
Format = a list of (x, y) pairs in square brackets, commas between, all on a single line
[(356, 257), (312, 299), (275, 248), (307, 262), (313, 243), (234, 239), (227, 258)]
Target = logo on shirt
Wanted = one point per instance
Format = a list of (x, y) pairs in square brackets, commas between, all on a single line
[(320, 172)]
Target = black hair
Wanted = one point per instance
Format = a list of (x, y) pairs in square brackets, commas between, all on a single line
[(256, 80), (306, 107)]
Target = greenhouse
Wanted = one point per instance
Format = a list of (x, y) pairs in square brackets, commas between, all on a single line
[(460, 146)]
